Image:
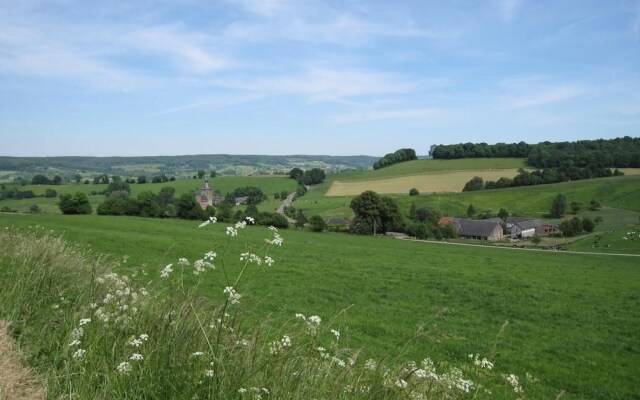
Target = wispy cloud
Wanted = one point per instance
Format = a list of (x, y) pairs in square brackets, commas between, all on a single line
[(545, 96), (324, 84), (210, 104), (190, 49), (413, 114)]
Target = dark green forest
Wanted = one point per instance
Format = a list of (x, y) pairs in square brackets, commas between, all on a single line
[(619, 153)]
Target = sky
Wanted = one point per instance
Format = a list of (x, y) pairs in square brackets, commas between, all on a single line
[(345, 77)]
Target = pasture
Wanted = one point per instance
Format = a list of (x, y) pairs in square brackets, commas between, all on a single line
[(573, 319), (436, 182)]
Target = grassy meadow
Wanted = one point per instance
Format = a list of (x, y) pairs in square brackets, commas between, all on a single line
[(270, 185), (573, 319)]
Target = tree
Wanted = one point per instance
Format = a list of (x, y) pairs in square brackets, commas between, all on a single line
[(559, 206), (576, 207), (594, 205), (536, 240), (117, 186), (142, 179), (588, 225), (188, 208), (284, 194), (201, 174), (503, 214), (317, 224), (313, 176), (40, 180), (35, 209), (77, 178), (50, 193), (375, 213), (296, 174), (57, 180), (414, 192), (212, 174), (77, 203), (301, 219), (476, 183), (471, 211)]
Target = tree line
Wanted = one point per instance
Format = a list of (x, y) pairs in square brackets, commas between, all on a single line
[(396, 157), (542, 177), (619, 152)]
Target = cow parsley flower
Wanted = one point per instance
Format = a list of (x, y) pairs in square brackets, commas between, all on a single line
[(300, 316), (166, 271), (401, 383), (336, 334), (250, 220), (241, 224), (231, 231), (84, 321), (232, 295), (124, 368), (315, 320), (210, 255), (144, 337), (136, 357), (74, 342), (197, 354), (209, 373), (183, 262), (285, 341), (268, 260), (79, 354)]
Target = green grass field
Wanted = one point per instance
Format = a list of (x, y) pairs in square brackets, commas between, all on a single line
[(270, 185), (574, 319)]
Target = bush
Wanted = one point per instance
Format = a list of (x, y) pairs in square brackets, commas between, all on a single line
[(35, 209), (77, 203), (50, 193), (414, 192), (317, 224)]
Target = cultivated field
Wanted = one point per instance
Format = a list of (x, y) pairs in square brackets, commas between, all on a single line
[(573, 319), (436, 182)]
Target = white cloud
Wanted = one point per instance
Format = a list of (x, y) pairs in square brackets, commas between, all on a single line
[(228, 101), (265, 8), (190, 50), (545, 96)]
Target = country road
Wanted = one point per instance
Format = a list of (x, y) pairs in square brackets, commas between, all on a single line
[(287, 203)]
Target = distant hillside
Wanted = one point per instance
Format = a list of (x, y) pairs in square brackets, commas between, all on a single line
[(181, 166)]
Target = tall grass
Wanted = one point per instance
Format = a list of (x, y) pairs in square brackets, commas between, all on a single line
[(96, 334)]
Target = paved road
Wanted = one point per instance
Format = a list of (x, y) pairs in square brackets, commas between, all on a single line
[(526, 249), (287, 203)]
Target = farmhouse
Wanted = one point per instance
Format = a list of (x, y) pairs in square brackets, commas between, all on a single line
[(527, 227), (478, 229)]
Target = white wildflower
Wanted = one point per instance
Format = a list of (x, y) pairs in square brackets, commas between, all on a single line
[(242, 390), (300, 316), (136, 357), (74, 342), (268, 260), (135, 342), (338, 361), (241, 224), (124, 368), (197, 354), (210, 255), (401, 383), (285, 341), (85, 321), (273, 228), (513, 381), (336, 334), (231, 231), (232, 295), (183, 262), (315, 320), (166, 271), (209, 373), (250, 220), (79, 354), (77, 333), (144, 337)]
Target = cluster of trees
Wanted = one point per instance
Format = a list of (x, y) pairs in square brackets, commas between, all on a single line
[(575, 226), (309, 177), (43, 180), (254, 195), (396, 157), (17, 194), (480, 150), (540, 177), (77, 203), (379, 214), (619, 153)]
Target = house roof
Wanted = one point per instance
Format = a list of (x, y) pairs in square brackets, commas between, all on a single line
[(336, 221), (445, 220), (471, 227), (515, 220), (529, 224)]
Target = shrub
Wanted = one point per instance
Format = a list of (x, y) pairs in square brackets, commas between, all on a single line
[(414, 192), (77, 203), (317, 224)]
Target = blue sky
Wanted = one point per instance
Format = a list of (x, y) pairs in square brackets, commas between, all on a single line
[(172, 77)]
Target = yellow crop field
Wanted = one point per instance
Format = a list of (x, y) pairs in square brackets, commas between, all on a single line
[(446, 181)]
